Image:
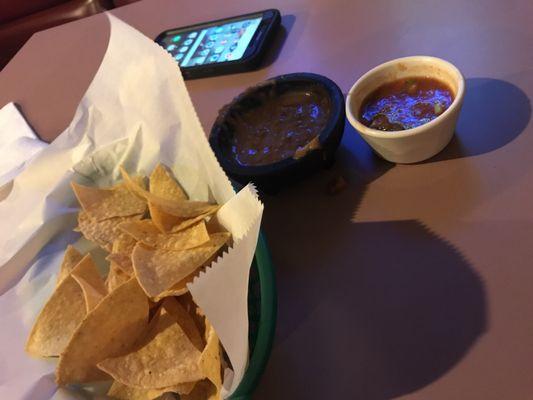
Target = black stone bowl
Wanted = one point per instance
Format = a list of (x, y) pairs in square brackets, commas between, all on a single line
[(272, 177)]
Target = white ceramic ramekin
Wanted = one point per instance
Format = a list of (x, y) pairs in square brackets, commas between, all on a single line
[(424, 141)]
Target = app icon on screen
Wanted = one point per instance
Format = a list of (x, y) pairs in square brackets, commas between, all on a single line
[(209, 44), (171, 47), (219, 49), (188, 42), (213, 58), (219, 29), (234, 28), (246, 24), (233, 47), (204, 52), (197, 61), (183, 49), (192, 35), (179, 56), (176, 38), (213, 37)]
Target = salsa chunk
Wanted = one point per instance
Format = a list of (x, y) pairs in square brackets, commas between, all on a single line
[(405, 103)]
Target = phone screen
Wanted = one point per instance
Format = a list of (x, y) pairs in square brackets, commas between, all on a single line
[(212, 43)]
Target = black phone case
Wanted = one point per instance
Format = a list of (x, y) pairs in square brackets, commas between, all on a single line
[(247, 63)]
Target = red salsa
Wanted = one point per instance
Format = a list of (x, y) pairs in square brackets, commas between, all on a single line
[(405, 103)]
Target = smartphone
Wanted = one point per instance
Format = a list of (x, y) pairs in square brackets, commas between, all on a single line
[(220, 47)]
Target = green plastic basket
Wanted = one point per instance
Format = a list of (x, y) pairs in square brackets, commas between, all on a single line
[(262, 311)]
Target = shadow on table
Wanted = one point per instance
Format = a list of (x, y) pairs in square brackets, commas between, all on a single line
[(287, 22), (366, 310), (494, 113)]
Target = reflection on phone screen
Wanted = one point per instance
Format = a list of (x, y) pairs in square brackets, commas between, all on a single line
[(211, 44)]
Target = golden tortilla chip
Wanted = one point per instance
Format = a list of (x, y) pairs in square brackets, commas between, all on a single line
[(109, 330), (115, 277), (138, 229), (178, 289), (145, 232), (124, 245), (70, 259), (123, 392), (91, 283), (190, 221), (162, 220), (184, 209), (158, 269), (121, 253), (58, 320), (210, 360), (121, 261), (166, 222), (104, 203), (164, 357), (214, 225), (133, 186), (203, 390), (187, 302), (185, 321), (178, 208), (163, 184), (103, 233)]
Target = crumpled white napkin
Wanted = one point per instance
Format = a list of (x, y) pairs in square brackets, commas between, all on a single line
[(18, 143)]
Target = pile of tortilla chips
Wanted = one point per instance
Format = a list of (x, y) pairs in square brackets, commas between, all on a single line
[(139, 325)]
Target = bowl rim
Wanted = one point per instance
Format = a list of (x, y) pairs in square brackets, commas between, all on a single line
[(456, 103), (267, 321), (337, 111)]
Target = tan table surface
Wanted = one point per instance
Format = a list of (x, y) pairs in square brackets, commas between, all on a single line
[(416, 282)]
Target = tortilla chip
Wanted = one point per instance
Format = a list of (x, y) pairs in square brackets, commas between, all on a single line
[(90, 281), (70, 259), (133, 186), (168, 396), (109, 330), (121, 261), (104, 203), (58, 320), (145, 232), (103, 233), (164, 357), (158, 269), (185, 321), (184, 209), (203, 390), (162, 220), (124, 245), (178, 289), (210, 360), (178, 208), (187, 302), (121, 253), (188, 222), (138, 229), (120, 391), (163, 184), (214, 225), (166, 222), (115, 277)]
